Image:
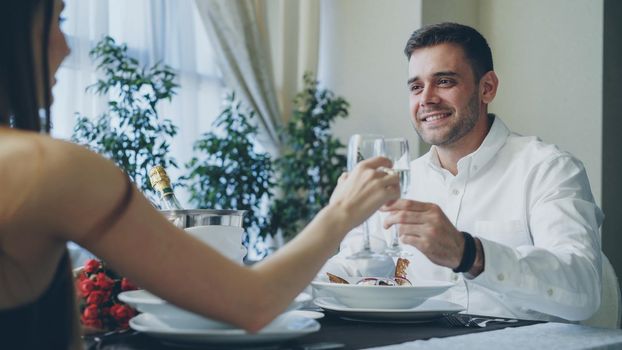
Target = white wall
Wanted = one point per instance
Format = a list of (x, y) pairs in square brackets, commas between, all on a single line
[(361, 59), (549, 58), (459, 11)]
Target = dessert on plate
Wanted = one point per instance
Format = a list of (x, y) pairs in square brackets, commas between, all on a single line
[(398, 279)]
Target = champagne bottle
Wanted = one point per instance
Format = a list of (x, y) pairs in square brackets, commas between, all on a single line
[(162, 183)]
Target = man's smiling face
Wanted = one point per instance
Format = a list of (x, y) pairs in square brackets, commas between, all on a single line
[(444, 97)]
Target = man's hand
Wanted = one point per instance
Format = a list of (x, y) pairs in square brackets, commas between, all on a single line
[(425, 226)]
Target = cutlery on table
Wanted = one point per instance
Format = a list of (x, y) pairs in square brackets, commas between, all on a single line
[(484, 321), (469, 321)]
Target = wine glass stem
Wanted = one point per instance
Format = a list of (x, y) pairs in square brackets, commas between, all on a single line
[(366, 244), (396, 237)]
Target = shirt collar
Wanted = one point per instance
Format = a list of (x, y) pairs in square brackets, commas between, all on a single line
[(494, 140)]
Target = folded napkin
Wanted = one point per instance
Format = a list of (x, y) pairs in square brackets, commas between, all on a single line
[(225, 239)]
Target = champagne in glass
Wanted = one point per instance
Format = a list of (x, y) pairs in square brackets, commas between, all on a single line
[(362, 147), (404, 179), (396, 149)]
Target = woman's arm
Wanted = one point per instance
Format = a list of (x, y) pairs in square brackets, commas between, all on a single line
[(83, 188)]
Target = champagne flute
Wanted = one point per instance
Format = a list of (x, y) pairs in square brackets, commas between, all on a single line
[(362, 147), (396, 149)]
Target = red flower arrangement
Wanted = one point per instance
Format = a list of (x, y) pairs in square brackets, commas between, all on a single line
[(98, 289)]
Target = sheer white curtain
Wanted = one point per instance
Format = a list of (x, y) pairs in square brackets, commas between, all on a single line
[(264, 48), (237, 31), (154, 30), (293, 32)]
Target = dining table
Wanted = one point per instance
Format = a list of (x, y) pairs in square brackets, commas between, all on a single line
[(459, 330)]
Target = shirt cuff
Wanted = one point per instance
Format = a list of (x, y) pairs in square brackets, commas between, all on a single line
[(500, 269)]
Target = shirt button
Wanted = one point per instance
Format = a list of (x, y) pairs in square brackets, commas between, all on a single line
[(500, 277), (454, 278), (550, 292), (455, 192)]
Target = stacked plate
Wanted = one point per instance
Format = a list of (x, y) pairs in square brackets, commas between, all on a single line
[(165, 321), (384, 303)]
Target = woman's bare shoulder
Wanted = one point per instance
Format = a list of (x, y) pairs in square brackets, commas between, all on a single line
[(55, 179), (22, 153), (32, 147), (20, 157), (16, 143), (30, 163)]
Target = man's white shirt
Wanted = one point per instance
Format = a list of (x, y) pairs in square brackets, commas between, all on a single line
[(531, 206)]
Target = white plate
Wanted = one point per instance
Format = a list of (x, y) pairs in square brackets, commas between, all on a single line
[(285, 327), (308, 313), (141, 300), (146, 302), (380, 297), (429, 310)]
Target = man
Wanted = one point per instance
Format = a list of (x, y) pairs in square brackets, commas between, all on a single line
[(510, 219)]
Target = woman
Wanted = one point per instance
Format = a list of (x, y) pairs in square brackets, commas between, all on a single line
[(56, 192)]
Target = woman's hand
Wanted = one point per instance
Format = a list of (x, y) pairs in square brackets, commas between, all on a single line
[(361, 192)]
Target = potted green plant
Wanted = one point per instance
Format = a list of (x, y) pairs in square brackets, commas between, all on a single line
[(131, 132), (227, 172), (312, 162)]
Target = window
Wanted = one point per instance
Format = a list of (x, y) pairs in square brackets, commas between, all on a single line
[(170, 31)]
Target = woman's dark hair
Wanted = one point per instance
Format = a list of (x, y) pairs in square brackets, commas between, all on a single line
[(472, 42), (18, 82)]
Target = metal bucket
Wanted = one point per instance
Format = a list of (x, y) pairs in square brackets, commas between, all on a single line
[(205, 217)]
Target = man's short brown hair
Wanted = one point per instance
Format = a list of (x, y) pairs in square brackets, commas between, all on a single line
[(475, 47)]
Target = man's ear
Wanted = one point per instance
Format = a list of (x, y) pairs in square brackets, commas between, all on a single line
[(488, 87)]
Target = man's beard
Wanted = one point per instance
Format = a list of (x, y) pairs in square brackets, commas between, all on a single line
[(467, 122)]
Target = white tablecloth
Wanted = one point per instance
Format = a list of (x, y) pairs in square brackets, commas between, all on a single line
[(548, 336)]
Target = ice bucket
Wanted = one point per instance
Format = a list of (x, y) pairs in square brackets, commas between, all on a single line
[(205, 217), (221, 229)]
